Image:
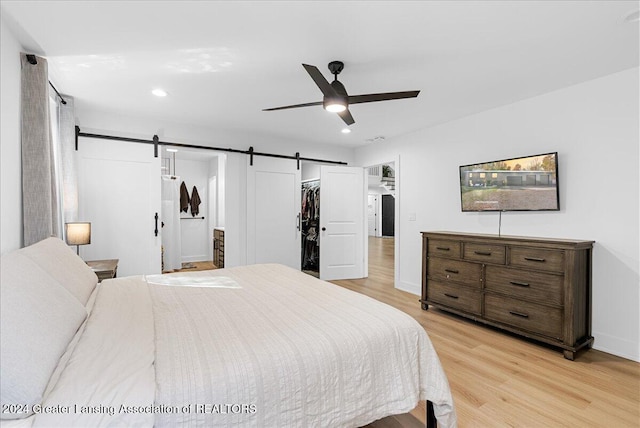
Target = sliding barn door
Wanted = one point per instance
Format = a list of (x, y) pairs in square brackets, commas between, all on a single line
[(119, 193), (342, 227), (273, 209)]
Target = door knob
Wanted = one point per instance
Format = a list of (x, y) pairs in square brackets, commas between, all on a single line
[(324, 228)]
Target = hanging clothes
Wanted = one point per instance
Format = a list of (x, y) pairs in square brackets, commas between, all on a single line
[(184, 197), (310, 225), (195, 202)]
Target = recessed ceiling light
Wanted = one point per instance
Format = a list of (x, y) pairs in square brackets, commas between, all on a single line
[(633, 17), (172, 150), (159, 92), (346, 131)]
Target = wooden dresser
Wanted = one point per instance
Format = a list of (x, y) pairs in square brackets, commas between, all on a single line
[(536, 287)]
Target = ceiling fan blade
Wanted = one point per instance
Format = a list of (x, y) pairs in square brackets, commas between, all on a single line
[(370, 98), (346, 116), (317, 103), (317, 77)]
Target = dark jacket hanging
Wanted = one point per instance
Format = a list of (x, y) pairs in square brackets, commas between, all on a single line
[(195, 202), (184, 198)]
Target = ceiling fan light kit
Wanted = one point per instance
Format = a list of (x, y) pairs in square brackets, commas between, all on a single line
[(335, 105), (335, 98)]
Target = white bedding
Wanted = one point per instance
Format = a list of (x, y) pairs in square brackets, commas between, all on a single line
[(271, 348), (112, 364)]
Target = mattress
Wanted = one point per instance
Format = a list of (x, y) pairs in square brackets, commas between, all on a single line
[(250, 346)]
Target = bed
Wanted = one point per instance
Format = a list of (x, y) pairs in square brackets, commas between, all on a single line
[(250, 346)]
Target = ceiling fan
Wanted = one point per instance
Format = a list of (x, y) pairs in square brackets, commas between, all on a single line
[(335, 97)]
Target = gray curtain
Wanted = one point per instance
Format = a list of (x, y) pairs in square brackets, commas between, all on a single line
[(39, 193)]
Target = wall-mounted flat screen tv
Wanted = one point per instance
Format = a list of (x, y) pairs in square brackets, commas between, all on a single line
[(528, 183)]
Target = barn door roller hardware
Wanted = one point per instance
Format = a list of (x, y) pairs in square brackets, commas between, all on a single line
[(156, 142)]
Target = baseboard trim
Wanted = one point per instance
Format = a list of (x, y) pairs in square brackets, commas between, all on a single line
[(617, 346), (410, 288), (200, 258)]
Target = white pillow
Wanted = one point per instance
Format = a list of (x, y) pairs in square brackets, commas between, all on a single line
[(62, 263), (38, 319)]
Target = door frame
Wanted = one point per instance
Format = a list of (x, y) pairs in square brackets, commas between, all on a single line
[(396, 228)]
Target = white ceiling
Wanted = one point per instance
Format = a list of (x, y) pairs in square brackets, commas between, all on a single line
[(223, 62)]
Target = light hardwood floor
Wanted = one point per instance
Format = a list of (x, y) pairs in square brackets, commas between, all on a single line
[(500, 380), (194, 266)]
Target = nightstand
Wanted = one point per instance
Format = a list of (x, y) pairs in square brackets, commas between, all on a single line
[(104, 269)]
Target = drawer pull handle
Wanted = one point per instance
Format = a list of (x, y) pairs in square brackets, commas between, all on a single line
[(518, 314), (451, 271), (443, 248), (482, 253), (451, 296), (520, 284), (534, 259)]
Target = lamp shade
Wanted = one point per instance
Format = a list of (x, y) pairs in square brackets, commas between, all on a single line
[(78, 233)]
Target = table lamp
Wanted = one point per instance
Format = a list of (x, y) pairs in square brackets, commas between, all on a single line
[(78, 233)]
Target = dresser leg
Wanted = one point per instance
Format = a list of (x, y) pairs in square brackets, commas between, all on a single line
[(425, 307), (569, 355)]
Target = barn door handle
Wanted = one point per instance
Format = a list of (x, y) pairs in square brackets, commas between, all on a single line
[(298, 221), (156, 229)]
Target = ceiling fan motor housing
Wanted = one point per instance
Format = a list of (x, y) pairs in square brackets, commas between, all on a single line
[(335, 67), (340, 97)]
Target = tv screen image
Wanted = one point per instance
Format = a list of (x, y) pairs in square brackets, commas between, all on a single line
[(518, 184)]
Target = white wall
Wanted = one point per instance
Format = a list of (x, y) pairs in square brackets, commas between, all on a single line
[(10, 148), (594, 127), (196, 238), (235, 226)]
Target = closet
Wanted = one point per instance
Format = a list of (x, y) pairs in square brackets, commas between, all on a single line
[(309, 226), (190, 203), (332, 226)]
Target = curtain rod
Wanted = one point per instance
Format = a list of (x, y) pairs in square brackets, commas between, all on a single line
[(156, 142), (33, 60)]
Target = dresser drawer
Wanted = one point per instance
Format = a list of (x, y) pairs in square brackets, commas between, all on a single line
[(522, 284), (455, 297), (454, 271), (444, 248), (484, 253), (527, 316), (536, 258)]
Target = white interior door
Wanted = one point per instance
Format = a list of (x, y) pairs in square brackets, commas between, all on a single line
[(170, 218), (342, 228), (372, 215), (119, 193), (273, 209)]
